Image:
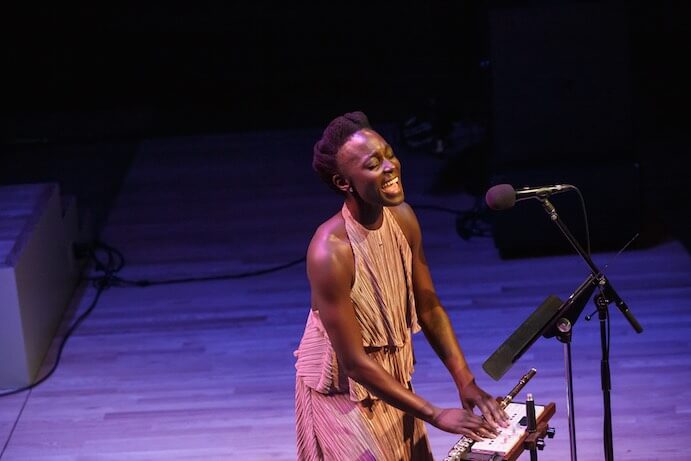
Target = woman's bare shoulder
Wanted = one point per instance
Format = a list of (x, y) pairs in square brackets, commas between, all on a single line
[(330, 242), (407, 220)]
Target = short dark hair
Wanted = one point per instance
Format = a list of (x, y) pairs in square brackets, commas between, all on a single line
[(335, 135)]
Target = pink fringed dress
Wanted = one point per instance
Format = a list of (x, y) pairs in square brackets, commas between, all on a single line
[(336, 417)]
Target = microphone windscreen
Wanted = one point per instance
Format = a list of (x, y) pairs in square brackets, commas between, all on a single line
[(501, 197)]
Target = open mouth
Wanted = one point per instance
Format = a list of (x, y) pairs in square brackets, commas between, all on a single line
[(392, 185)]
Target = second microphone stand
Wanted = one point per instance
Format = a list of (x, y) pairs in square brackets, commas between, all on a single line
[(568, 314)]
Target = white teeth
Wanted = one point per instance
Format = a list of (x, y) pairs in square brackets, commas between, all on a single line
[(391, 182)]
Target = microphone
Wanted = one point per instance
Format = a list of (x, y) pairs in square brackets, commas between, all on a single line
[(504, 196)]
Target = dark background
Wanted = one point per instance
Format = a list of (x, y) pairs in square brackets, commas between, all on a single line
[(210, 66), (560, 89)]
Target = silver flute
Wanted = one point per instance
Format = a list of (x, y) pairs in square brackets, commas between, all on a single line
[(464, 444)]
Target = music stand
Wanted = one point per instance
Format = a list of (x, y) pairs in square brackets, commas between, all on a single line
[(553, 318)]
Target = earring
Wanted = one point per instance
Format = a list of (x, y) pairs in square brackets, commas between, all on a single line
[(350, 189)]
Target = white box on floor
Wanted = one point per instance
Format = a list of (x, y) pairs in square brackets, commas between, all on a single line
[(38, 275)]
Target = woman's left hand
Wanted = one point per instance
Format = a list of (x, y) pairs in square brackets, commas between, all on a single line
[(473, 396)]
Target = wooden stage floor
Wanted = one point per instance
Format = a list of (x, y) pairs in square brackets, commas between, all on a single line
[(205, 370)]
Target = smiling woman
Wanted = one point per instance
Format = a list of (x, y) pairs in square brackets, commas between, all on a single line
[(369, 171), (371, 290)]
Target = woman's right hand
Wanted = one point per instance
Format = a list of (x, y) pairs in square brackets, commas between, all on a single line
[(461, 421)]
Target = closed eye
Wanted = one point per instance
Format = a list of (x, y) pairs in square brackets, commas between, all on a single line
[(372, 165)]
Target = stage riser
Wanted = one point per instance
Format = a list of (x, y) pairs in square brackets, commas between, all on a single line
[(37, 278)]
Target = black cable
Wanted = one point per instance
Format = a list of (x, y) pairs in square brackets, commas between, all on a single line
[(121, 282), (14, 426), (585, 220), (472, 214)]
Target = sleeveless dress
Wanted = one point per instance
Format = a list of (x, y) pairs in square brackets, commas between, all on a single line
[(336, 417)]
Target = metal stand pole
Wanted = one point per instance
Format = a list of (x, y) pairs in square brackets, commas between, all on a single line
[(605, 378), (564, 335)]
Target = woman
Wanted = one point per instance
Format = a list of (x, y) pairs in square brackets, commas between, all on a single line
[(371, 288)]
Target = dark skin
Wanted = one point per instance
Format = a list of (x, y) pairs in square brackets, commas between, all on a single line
[(370, 179)]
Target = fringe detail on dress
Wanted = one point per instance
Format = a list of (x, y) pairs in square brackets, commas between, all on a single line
[(334, 428)]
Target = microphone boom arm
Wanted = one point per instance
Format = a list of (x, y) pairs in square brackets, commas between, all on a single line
[(609, 292)]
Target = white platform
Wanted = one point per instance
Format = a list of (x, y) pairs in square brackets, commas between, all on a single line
[(38, 274)]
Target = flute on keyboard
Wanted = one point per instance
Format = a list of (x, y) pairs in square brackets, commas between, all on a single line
[(464, 444)]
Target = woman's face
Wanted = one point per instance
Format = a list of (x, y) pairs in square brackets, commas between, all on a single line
[(368, 165)]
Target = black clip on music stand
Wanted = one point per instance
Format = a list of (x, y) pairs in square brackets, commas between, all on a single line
[(556, 319)]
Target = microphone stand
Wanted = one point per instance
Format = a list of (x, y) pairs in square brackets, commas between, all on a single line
[(607, 295)]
